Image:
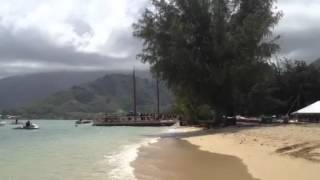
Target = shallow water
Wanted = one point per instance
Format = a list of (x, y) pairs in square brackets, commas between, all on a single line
[(59, 150)]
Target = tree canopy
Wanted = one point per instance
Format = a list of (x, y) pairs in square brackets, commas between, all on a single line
[(209, 51), (291, 86)]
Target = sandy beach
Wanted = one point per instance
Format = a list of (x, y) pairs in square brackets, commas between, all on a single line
[(287, 152), (268, 152), (175, 159)]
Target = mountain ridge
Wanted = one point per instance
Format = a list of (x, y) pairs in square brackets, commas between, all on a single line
[(316, 62), (109, 94), (21, 90)]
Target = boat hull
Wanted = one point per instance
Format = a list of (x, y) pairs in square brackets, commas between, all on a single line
[(83, 122), (136, 123), (32, 127)]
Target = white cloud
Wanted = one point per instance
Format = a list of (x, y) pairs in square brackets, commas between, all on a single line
[(53, 17), (44, 35), (299, 29), (299, 15)]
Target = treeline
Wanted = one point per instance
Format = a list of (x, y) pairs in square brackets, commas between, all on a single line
[(290, 86), (217, 56)]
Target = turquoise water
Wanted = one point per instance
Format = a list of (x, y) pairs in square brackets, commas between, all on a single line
[(61, 151)]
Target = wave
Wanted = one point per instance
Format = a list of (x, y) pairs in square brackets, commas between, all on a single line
[(120, 162)]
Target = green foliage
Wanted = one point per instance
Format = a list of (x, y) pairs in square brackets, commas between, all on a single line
[(209, 51), (291, 85), (193, 112)]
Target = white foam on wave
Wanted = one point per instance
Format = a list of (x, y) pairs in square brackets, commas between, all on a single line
[(179, 129), (120, 162)]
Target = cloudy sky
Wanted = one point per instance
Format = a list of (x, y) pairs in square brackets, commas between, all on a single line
[(53, 35)]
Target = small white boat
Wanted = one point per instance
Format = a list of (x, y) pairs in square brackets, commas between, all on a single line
[(32, 126), (2, 123), (83, 122)]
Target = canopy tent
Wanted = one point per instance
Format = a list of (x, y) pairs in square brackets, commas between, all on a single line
[(311, 109), (310, 113)]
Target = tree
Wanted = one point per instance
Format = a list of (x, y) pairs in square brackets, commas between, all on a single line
[(214, 51), (291, 86), (298, 84)]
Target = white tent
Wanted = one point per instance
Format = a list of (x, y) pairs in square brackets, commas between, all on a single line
[(311, 109)]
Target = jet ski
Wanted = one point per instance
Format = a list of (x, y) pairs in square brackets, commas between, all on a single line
[(32, 126)]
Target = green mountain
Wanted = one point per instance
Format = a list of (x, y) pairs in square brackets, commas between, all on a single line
[(22, 90), (19, 91), (316, 62), (109, 94)]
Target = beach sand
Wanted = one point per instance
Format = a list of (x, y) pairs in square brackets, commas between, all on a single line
[(285, 152), (282, 152), (175, 159)]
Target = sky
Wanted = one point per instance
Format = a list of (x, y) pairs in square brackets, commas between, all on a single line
[(90, 35)]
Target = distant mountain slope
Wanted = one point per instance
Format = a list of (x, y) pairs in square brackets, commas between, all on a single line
[(18, 91), (316, 63), (112, 93)]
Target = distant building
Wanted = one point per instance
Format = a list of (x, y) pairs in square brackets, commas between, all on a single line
[(310, 113)]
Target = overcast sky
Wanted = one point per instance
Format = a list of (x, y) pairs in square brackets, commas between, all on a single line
[(51, 35)]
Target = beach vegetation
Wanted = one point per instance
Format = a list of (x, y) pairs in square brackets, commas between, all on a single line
[(291, 85), (210, 52)]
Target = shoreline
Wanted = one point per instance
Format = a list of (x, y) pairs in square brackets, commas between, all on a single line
[(176, 159), (270, 152), (267, 152)]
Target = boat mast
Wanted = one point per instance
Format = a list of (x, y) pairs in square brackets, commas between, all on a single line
[(134, 94), (158, 96)]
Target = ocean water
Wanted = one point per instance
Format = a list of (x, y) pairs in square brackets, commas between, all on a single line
[(61, 151)]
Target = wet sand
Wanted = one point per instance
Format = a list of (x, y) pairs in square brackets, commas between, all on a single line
[(176, 159)]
